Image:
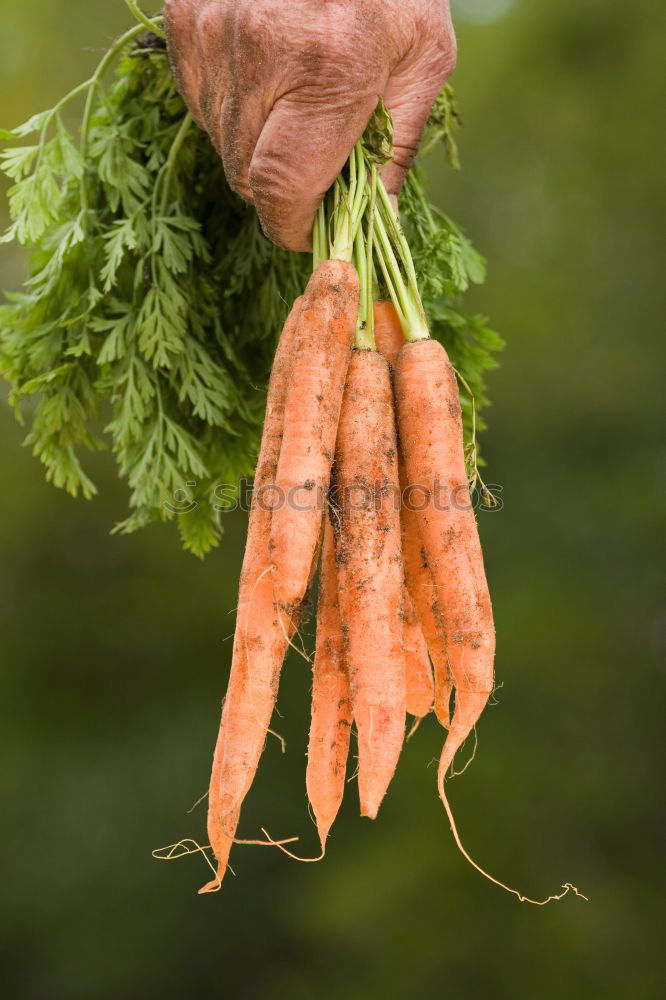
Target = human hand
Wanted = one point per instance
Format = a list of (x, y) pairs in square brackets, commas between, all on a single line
[(285, 88)]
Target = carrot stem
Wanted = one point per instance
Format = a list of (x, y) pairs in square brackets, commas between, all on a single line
[(365, 336), (320, 237), (368, 289), (403, 287), (391, 272), (396, 231), (342, 246), (168, 168), (359, 205)]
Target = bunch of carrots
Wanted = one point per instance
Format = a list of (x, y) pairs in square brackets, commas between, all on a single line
[(362, 474)]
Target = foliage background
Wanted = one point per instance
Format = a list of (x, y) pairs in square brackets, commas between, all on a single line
[(115, 650)]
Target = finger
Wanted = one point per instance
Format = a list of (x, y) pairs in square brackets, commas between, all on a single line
[(196, 35), (242, 120), (302, 148), (180, 26), (410, 94), (246, 107)]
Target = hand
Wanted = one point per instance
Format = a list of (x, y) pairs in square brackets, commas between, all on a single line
[(285, 88)]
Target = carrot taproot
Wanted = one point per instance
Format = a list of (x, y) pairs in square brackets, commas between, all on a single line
[(421, 588), (312, 411), (420, 687), (328, 746), (366, 520), (262, 634), (388, 330), (430, 423)]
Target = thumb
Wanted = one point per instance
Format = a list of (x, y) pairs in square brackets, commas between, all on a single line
[(302, 148), (410, 94)]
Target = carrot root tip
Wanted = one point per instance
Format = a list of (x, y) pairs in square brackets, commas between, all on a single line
[(213, 886), (444, 719), (323, 830)]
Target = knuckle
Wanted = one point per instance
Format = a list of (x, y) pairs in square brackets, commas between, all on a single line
[(235, 169), (171, 11), (178, 15), (449, 55), (269, 177), (256, 28), (438, 63), (210, 19), (238, 184), (188, 22), (275, 192), (340, 57), (446, 44), (324, 80), (435, 40), (325, 56)]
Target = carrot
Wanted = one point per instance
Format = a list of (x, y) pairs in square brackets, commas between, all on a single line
[(331, 706), (430, 424), (388, 330), (370, 575), (261, 636), (449, 557), (421, 588), (420, 689), (314, 398)]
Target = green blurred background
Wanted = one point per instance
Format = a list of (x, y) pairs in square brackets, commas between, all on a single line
[(115, 651)]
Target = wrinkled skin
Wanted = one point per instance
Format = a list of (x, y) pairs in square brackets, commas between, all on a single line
[(286, 87)]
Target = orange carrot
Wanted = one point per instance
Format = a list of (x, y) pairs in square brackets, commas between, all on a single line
[(261, 635), (421, 587), (328, 747), (388, 331), (420, 688), (430, 424), (366, 520), (314, 398)]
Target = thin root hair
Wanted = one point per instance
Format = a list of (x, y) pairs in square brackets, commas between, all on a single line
[(566, 886), (456, 774), (280, 845), (283, 742), (418, 719), (198, 802)]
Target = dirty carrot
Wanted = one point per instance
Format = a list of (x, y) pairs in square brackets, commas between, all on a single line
[(431, 439), (388, 331), (261, 636), (421, 588), (314, 398), (430, 424), (328, 745), (420, 688), (370, 574)]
